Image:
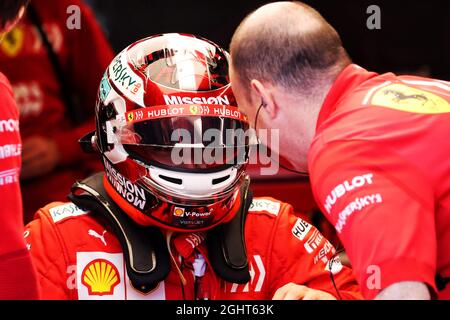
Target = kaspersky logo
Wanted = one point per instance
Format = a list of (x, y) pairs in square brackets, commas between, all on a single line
[(100, 277), (219, 100)]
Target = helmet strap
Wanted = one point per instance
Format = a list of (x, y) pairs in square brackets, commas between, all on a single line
[(146, 256), (226, 243)]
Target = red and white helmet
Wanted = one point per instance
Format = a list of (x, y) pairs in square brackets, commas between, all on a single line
[(174, 144)]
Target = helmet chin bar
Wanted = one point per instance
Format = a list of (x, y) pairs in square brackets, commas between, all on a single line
[(192, 186)]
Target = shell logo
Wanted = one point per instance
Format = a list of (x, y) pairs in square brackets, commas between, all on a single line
[(13, 42), (100, 277), (178, 212)]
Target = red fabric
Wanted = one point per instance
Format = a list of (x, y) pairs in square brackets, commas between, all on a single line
[(84, 55), (379, 170), (17, 276), (296, 192), (62, 249)]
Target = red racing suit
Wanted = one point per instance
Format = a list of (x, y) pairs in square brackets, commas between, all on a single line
[(83, 54), (17, 276), (77, 257), (380, 171)]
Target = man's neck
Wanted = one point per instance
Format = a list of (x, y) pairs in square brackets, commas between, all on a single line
[(305, 117)]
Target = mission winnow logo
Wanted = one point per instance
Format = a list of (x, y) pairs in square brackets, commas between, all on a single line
[(129, 191)]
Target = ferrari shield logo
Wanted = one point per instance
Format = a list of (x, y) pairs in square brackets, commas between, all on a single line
[(194, 110), (405, 98)]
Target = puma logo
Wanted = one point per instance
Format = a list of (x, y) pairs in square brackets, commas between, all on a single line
[(94, 234)]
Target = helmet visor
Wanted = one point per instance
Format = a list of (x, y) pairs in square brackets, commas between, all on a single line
[(187, 142)]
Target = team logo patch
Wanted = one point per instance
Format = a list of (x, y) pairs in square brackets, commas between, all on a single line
[(193, 109), (313, 242), (100, 277), (65, 211), (13, 42), (404, 98), (301, 229), (269, 206), (131, 192), (125, 79), (178, 212)]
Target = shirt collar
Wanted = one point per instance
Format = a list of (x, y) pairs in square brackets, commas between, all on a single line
[(351, 77)]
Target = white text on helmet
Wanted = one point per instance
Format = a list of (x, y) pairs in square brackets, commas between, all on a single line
[(122, 73), (170, 100), (129, 191)]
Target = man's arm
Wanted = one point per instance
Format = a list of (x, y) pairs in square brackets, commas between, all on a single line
[(407, 290), (383, 211), (17, 275)]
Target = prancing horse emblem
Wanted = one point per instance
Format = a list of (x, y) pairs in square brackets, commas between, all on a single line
[(400, 96)]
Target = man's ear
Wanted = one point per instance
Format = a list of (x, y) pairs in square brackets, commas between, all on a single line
[(264, 94)]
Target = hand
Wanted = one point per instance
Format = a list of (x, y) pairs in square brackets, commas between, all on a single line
[(292, 291), (40, 155), (405, 290)]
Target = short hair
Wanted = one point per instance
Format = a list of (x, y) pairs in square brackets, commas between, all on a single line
[(296, 50), (9, 9)]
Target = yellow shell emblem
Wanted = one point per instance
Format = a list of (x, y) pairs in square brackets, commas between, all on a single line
[(178, 212), (13, 42), (100, 277), (401, 97)]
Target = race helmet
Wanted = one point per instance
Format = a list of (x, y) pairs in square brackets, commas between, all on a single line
[(173, 142)]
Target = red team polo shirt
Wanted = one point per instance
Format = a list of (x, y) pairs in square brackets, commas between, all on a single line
[(380, 171), (17, 276), (83, 54)]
